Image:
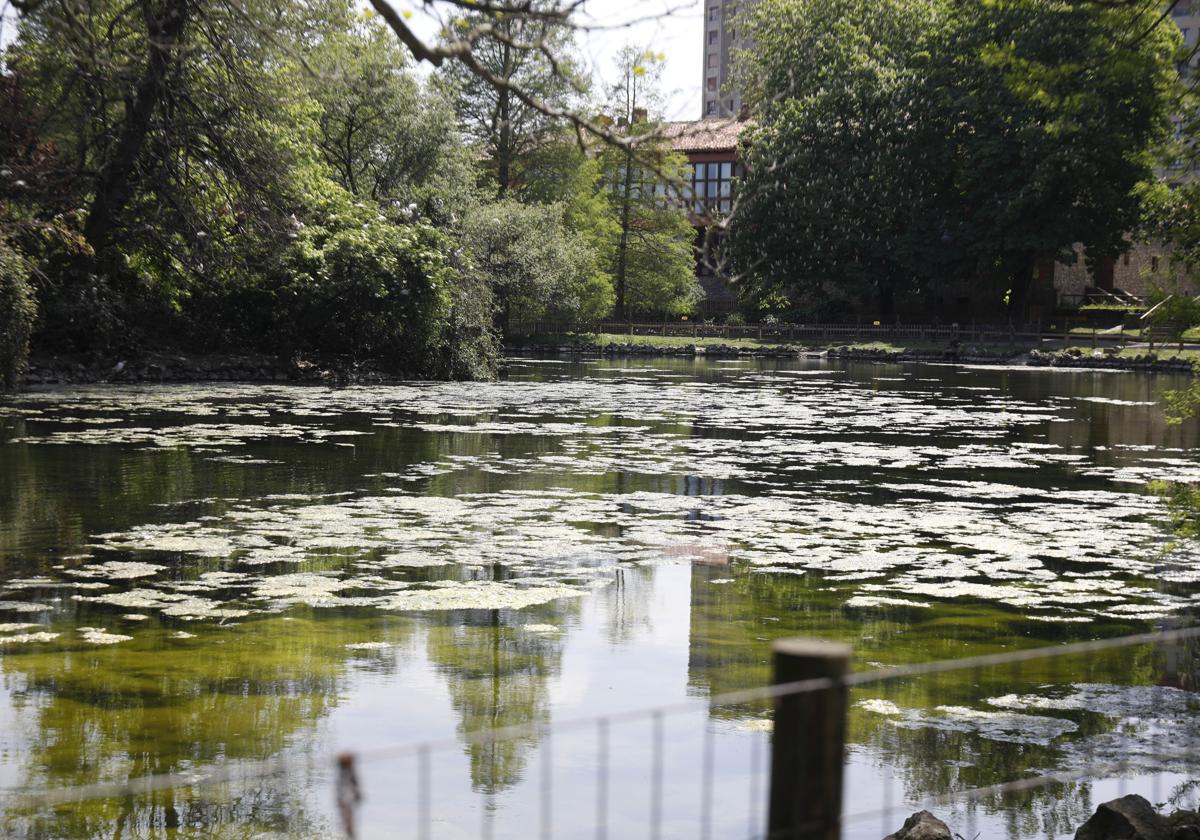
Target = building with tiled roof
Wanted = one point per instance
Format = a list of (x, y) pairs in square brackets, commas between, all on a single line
[(710, 145)]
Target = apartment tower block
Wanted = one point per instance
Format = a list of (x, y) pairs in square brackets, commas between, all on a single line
[(720, 37)]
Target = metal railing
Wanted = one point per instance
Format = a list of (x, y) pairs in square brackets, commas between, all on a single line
[(670, 786)]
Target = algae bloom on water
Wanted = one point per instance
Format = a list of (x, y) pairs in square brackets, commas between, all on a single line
[(197, 578)]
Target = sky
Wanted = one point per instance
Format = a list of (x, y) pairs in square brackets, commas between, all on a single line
[(672, 27)]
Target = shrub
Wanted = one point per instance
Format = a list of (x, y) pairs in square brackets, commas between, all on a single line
[(536, 266), (18, 311), (374, 289)]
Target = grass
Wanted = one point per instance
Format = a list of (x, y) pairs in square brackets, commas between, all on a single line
[(602, 339), (1168, 351)]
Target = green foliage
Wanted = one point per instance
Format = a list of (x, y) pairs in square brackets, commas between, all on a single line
[(1173, 307), (384, 134), (902, 142), (17, 314), (516, 50), (537, 267), (661, 265), (560, 173), (1171, 214), (652, 258), (1182, 404), (1183, 506), (264, 177)]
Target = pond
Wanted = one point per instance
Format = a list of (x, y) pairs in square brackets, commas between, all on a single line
[(201, 578)]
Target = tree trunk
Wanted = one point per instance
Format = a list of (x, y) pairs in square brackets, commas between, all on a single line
[(504, 146), (887, 300), (623, 245), (165, 26), (1022, 281)]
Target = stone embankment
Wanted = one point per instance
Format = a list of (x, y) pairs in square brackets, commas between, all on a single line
[(63, 370), (1128, 818)]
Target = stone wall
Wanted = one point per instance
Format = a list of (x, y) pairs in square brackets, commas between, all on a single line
[(1146, 266)]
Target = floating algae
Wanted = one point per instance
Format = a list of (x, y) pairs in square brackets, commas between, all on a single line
[(26, 638), (117, 570), (990, 725), (833, 502), (451, 595), (100, 636)]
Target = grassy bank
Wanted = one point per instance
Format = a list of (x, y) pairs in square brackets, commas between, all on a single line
[(598, 340)]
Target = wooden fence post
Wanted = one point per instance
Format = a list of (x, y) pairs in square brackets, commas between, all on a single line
[(809, 744)]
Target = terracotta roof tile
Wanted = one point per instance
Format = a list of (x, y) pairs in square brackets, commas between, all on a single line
[(710, 135)]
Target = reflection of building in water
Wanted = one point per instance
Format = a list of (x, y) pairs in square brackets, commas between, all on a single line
[(726, 648), (498, 674)]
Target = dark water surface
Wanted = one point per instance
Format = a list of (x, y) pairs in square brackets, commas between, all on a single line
[(201, 577)]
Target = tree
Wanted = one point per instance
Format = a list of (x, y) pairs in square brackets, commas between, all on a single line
[(225, 225), (177, 144), (901, 143), (17, 313), (385, 135), (653, 260), (529, 53), (536, 267)]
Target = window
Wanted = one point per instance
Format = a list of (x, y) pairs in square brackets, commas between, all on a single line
[(1154, 263), (712, 36), (710, 107), (1126, 259), (712, 59), (712, 187), (712, 85), (714, 12)]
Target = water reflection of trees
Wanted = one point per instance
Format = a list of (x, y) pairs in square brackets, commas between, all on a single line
[(153, 705), (733, 624), (627, 604), (54, 496), (498, 672)]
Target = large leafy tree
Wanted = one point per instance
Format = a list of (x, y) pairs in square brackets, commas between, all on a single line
[(192, 144), (177, 145), (903, 142)]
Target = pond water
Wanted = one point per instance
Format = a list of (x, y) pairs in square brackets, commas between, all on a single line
[(210, 576)]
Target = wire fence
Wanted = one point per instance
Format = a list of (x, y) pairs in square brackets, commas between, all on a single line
[(771, 761)]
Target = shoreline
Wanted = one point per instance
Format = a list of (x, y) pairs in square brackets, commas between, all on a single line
[(151, 368), (1148, 362)]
